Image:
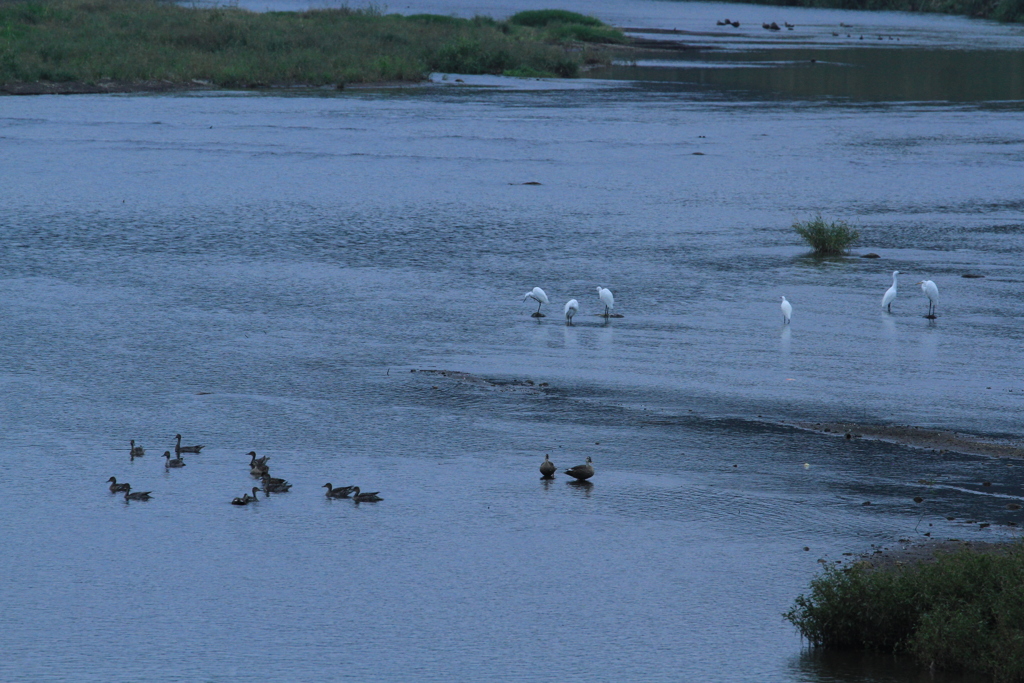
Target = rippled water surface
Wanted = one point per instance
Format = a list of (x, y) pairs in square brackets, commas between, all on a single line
[(264, 272)]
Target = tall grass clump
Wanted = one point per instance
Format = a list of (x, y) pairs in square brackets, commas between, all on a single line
[(563, 26), (544, 17), (964, 612), (827, 239)]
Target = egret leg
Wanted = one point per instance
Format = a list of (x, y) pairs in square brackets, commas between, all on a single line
[(607, 311), (538, 305)]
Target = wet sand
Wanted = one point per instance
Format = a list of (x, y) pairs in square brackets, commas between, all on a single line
[(927, 552), (918, 437)]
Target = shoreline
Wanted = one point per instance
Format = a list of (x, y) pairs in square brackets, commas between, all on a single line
[(124, 87), (938, 440), (920, 552)]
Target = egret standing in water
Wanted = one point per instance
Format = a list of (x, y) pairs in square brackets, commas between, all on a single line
[(607, 299), (571, 308), (890, 293), (932, 292), (538, 295), (787, 311)]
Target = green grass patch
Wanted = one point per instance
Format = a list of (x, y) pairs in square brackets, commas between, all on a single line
[(827, 239), (964, 612), (563, 26), (544, 17), (142, 40)]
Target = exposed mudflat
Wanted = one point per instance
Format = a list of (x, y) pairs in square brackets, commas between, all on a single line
[(928, 552), (919, 437)]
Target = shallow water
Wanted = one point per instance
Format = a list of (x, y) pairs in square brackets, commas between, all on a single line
[(263, 272)]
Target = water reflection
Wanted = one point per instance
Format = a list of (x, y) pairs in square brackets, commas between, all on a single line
[(860, 74), (820, 666), (584, 487)]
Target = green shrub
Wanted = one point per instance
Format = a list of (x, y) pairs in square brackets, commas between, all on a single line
[(543, 17), (964, 612), (1009, 11), (827, 239), (436, 19), (585, 34)]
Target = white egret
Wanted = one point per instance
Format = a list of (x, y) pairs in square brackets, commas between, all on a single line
[(538, 295), (787, 310), (607, 299), (932, 292), (571, 308), (890, 293)]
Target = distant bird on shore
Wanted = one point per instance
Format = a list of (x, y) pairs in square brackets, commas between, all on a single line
[(582, 472), (890, 293), (169, 462), (932, 292), (340, 492), (547, 468), (538, 295), (571, 308), (136, 451), (365, 497), (179, 449), (140, 495), (118, 488), (787, 311), (607, 299)]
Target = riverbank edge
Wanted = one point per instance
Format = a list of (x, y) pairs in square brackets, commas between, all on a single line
[(121, 87), (109, 86)]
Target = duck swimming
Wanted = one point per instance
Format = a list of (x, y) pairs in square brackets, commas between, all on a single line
[(365, 497), (179, 449), (274, 485), (340, 492), (246, 499), (136, 451), (258, 466), (176, 462), (139, 495), (118, 488)]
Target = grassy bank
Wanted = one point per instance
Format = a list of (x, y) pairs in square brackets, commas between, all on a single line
[(965, 611), (999, 10), (144, 40)]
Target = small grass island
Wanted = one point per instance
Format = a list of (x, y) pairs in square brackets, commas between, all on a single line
[(961, 608), (153, 44)]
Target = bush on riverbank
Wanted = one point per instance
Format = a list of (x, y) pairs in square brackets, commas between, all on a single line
[(141, 40), (965, 611), (827, 239)]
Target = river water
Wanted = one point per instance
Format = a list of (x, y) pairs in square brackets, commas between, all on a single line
[(290, 273)]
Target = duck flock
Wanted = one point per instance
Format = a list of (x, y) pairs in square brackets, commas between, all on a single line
[(572, 307), (258, 468)]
